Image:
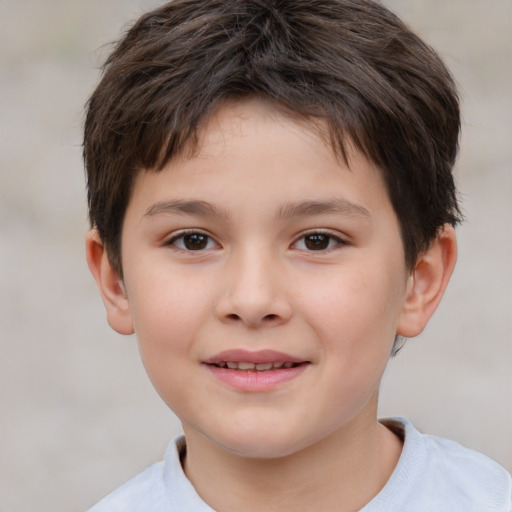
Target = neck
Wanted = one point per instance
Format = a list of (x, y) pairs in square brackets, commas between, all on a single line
[(342, 472)]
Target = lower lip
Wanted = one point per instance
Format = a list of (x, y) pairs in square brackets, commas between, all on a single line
[(255, 382)]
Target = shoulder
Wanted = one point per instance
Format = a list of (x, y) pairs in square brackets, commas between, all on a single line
[(141, 493), (163, 487), (438, 474), (468, 473)]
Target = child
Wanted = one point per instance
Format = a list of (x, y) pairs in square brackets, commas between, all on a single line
[(271, 194)]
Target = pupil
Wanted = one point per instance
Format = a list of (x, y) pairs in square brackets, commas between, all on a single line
[(195, 241), (317, 242)]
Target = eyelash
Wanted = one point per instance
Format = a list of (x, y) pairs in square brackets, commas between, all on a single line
[(330, 239), (181, 236), (321, 237)]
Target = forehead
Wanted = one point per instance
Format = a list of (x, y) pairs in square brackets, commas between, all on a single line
[(237, 120), (254, 147)]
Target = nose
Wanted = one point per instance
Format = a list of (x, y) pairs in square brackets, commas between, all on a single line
[(254, 292)]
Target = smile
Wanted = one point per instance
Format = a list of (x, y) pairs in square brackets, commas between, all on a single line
[(255, 371), (255, 367)]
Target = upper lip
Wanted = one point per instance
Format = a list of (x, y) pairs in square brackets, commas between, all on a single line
[(260, 356)]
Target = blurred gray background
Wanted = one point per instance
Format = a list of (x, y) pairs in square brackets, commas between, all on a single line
[(78, 415)]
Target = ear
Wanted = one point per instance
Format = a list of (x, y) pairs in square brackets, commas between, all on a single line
[(110, 284), (427, 283)]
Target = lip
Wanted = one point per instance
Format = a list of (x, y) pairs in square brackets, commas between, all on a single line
[(256, 357), (255, 381)]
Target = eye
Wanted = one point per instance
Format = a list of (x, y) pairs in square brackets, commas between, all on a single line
[(193, 241), (317, 242)]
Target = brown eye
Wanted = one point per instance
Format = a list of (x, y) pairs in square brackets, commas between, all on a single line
[(317, 241), (193, 242)]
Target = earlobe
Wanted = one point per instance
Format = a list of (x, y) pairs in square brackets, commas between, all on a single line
[(427, 283), (110, 284)]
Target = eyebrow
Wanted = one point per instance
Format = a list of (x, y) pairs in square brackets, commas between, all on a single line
[(289, 210), (185, 207), (337, 206)]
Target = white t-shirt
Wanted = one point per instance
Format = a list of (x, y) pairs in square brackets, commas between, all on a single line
[(432, 475)]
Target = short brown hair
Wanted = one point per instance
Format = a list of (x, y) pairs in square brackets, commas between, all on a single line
[(350, 63)]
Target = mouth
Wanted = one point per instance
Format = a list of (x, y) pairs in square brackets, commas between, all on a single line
[(254, 362), (246, 366)]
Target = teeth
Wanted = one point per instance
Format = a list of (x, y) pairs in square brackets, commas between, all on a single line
[(246, 366), (264, 366), (242, 365)]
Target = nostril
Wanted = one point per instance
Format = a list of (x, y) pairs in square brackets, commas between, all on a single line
[(236, 318)]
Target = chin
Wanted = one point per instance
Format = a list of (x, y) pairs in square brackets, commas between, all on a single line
[(262, 450), (263, 444)]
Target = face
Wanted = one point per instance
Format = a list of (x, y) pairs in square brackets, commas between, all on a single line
[(266, 283)]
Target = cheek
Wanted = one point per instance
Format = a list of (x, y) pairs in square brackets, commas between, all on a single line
[(354, 310), (164, 302), (167, 314)]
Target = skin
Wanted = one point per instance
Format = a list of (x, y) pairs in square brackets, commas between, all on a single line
[(249, 276)]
